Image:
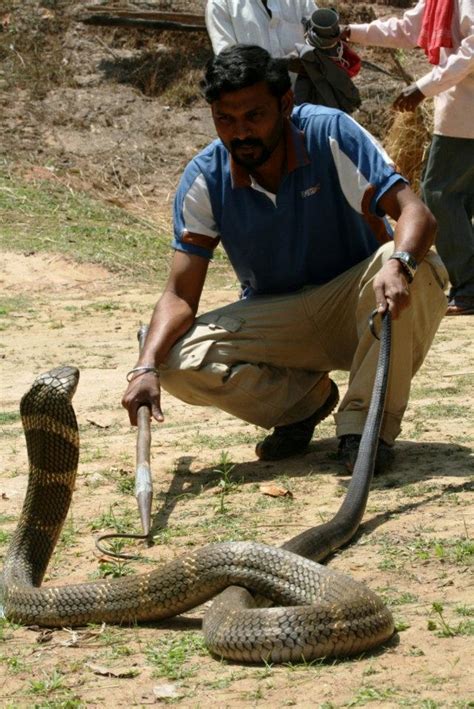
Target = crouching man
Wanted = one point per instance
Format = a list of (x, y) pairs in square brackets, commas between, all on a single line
[(298, 198)]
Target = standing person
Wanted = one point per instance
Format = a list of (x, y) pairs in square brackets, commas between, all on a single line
[(298, 198), (275, 25), (445, 30)]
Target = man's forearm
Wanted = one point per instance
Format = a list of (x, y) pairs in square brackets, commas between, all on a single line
[(415, 231), (171, 319)]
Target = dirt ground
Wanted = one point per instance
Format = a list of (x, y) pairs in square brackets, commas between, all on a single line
[(415, 545)]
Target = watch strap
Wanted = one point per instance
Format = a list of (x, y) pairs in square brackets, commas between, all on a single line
[(408, 262)]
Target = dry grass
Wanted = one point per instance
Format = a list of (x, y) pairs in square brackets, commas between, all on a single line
[(164, 64), (407, 141)]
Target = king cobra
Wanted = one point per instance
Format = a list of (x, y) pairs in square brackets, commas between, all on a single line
[(315, 611)]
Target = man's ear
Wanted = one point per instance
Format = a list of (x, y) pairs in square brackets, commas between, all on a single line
[(287, 103)]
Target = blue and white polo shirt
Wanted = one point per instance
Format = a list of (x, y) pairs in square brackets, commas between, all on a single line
[(323, 220)]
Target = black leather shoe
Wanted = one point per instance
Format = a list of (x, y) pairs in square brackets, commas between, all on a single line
[(294, 438), (349, 448)]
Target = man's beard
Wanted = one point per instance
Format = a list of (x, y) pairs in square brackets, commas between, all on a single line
[(260, 154)]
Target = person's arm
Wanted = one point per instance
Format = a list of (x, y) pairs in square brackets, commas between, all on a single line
[(172, 317), (219, 26), (450, 72), (415, 233), (442, 77), (401, 33)]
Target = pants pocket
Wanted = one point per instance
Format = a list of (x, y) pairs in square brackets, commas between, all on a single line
[(190, 351)]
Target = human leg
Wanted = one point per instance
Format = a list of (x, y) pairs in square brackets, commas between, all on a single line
[(448, 190), (266, 360), (412, 335), (251, 359)]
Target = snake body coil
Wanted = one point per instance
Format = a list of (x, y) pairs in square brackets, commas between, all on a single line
[(319, 612)]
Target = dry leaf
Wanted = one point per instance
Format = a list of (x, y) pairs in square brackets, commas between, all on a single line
[(119, 672), (275, 490)]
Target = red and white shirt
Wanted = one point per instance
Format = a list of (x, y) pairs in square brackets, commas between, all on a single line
[(451, 82)]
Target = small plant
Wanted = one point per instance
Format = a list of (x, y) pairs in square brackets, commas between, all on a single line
[(4, 536), (225, 484), (401, 625), (68, 534), (106, 306), (109, 519), (371, 694), (14, 664), (5, 626), (445, 629), (126, 485), (48, 684), (171, 657), (113, 569)]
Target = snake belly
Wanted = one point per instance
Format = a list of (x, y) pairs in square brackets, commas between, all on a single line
[(316, 612)]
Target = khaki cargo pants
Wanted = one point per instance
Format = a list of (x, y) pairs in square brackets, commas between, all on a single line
[(266, 359)]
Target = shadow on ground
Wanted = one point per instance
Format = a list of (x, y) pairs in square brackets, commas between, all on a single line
[(414, 462)]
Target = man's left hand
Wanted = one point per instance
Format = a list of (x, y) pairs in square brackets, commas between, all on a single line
[(391, 288), (409, 99)]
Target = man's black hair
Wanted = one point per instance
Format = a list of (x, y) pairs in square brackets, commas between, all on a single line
[(243, 65)]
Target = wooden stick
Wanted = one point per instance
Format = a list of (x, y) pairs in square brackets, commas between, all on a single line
[(117, 17), (143, 479)]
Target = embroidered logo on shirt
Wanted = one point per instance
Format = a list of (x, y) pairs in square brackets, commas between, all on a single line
[(310, 191)]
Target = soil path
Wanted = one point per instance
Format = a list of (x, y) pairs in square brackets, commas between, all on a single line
[(414, 548)]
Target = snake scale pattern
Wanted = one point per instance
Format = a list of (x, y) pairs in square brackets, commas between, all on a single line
[(316, 611)]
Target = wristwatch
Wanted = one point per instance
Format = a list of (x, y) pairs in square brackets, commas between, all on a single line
[(408, 262)]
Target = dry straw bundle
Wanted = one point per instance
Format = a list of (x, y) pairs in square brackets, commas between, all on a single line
[(407, 141)]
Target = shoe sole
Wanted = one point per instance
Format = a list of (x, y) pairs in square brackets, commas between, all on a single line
[(323, 412)]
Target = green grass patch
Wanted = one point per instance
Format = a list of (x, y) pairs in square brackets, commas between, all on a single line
[(4, 536), (9, 417), (12, 304), (446, 411), (172, 657), (444, 628), (46, 216)]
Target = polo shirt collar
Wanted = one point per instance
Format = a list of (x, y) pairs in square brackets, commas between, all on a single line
[(296, 156)]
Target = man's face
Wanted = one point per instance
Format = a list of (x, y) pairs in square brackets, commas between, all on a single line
[(250, 123)]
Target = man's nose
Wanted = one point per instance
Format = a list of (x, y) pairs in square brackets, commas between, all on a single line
[(242, 130)]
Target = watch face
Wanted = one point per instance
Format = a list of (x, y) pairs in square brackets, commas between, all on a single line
[(406, 258), (409, 264)]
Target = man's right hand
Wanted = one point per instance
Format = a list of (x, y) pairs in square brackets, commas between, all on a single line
[(408, 99), (143, 390)]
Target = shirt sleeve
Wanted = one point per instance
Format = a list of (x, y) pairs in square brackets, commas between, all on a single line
[(395, 32), (364, 169), (195, 230), (219, 26), (404, 32), (450, 71)]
